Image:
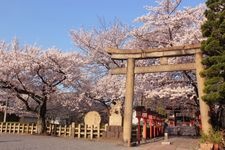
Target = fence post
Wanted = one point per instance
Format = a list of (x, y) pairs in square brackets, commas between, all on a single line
[(49, 129), (65, 129), (59, 133), (32, 128), (1, 127), (6, 127), (23, 128), (92, 128), (98, 130), (35, 126), (79, 128), (18, 128), (27, 128), (72, 131), (14, 128), (85, 131), (10, 126)]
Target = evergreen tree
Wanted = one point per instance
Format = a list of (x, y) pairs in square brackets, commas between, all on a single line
[(214, 51)]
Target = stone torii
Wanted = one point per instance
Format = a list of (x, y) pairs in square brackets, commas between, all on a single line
[(163, 54)]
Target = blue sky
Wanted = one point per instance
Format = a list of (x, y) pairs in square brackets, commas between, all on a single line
[(48, 22)]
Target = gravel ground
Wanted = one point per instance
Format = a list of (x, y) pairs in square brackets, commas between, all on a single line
[(36, 142)]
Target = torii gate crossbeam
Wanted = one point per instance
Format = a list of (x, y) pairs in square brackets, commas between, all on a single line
[(163, 54)]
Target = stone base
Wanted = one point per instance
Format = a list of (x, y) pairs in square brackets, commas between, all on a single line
[(113, 132)]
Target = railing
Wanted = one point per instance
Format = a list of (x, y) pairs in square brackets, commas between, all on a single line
[(77, 130), (15, 127), (73, 130)]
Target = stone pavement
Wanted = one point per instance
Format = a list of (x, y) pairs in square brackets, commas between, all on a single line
[(177, 143), (36, 142)]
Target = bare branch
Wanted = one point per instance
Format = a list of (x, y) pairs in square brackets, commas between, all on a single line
[(40, 76)]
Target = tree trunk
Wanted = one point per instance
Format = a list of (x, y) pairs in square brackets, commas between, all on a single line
[(223, 117), (41, 125)]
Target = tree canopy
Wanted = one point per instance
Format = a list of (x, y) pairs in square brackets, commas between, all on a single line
[(35, 78), (214, 50), (39, 79), (166, 24)]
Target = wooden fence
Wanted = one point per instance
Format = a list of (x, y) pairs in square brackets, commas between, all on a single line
[(73, 130), (15, 127)]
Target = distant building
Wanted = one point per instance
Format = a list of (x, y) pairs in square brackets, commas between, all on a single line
[(28, 119), (9, 117)]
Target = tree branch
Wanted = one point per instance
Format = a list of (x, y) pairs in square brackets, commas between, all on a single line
[(28, 108), (194, 85), (21, 82), (7, 85), (39, 75), (177, 5), (58, 82)]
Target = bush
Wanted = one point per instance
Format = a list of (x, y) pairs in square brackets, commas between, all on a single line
[(215, 137)]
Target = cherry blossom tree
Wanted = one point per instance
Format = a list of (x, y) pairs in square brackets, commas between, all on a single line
[(166, 24), (33, 77), (40, 81), (93, 43)]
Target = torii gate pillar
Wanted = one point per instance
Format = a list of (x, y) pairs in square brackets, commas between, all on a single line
[(204, 108), (128, 107)]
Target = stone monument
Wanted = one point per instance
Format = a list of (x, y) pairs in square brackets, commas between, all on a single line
[(115, 118), (92, 118)]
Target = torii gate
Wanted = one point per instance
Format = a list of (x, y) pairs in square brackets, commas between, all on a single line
[(163, 53)]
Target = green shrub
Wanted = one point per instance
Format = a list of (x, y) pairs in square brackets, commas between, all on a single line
[(214, 136)]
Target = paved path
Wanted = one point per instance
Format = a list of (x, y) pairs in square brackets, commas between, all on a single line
[(34, 142), (177, 143)]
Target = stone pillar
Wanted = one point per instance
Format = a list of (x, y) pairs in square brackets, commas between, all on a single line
[(204, 108), (128, 107)]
